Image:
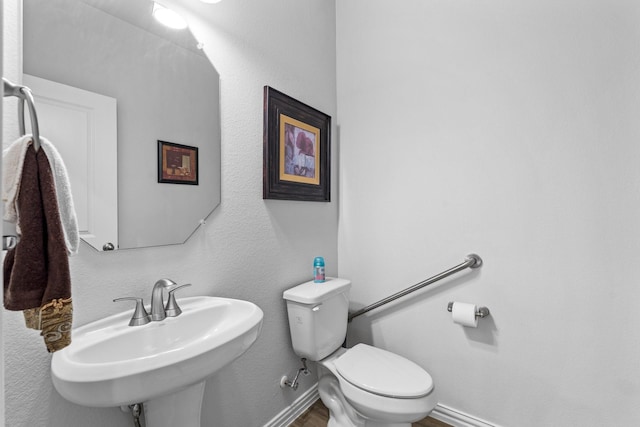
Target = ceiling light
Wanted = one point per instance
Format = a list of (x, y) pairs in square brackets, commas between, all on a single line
[(168, 17)]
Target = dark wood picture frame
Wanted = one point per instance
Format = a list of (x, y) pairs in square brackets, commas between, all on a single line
[(297, 150), (177, 163)]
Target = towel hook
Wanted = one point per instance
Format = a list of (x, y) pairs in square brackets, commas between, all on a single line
[(9, 242), (24, 94)]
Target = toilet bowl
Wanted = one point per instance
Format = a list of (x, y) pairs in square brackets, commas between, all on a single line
[(367, 386), (362, 386)]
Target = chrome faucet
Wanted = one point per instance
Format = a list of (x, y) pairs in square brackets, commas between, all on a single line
[(157, 298), (159, 311)]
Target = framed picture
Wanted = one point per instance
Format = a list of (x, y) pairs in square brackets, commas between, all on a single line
[(297, 150), (177, 163)]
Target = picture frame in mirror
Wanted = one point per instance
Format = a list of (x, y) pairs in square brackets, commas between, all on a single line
[(177, 163)]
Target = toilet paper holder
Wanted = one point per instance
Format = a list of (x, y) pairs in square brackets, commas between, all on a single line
[(480, 311)]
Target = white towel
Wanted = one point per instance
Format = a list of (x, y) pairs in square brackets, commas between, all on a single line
[(12, 161), (63, 194)]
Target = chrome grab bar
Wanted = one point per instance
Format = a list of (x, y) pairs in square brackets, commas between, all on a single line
[(471, 261)]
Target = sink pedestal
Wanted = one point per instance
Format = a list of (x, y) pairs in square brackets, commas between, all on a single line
[(182, 408)]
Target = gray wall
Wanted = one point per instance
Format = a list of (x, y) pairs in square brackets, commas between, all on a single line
[(509, 129), (250, 248)]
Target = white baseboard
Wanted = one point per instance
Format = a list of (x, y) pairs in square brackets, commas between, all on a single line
[(441, 412), (457, 418), (293, 411)]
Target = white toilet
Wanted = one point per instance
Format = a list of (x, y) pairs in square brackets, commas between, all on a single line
[(362, 386)]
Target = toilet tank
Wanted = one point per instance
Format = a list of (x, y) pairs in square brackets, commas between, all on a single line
[(318, 315)]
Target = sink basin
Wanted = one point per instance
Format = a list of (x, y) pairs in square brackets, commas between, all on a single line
[(112, 364)]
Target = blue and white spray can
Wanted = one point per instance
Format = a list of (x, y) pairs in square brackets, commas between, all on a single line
[(318, 269)]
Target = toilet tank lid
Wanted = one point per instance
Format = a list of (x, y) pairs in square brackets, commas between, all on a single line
[(313, 293)]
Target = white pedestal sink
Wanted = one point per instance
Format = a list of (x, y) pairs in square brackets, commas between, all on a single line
[(161, 364)]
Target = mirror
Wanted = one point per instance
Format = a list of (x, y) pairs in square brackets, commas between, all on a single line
[(165, 90)]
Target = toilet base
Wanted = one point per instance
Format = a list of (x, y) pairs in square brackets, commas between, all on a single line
[(334, 423), (375, 424), (341, 413)]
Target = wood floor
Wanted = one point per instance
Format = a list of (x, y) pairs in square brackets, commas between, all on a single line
[(318, 415)]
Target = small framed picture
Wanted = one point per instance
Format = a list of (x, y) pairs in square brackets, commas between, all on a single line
[(297, 142), (177, 163)]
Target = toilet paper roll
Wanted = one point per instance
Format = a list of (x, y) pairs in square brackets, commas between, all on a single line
[(464, 314)]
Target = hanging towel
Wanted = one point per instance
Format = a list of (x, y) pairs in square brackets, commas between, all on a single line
[(63, 194), (12, 161), (36, 272)]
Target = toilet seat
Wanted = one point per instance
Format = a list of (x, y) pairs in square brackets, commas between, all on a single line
[(375, 385), (383, 373)]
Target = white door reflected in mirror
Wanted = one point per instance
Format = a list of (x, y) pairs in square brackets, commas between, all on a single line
[(82, 125)]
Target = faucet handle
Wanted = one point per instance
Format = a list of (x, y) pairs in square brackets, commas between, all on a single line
[(140, 315), (172, 309)]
